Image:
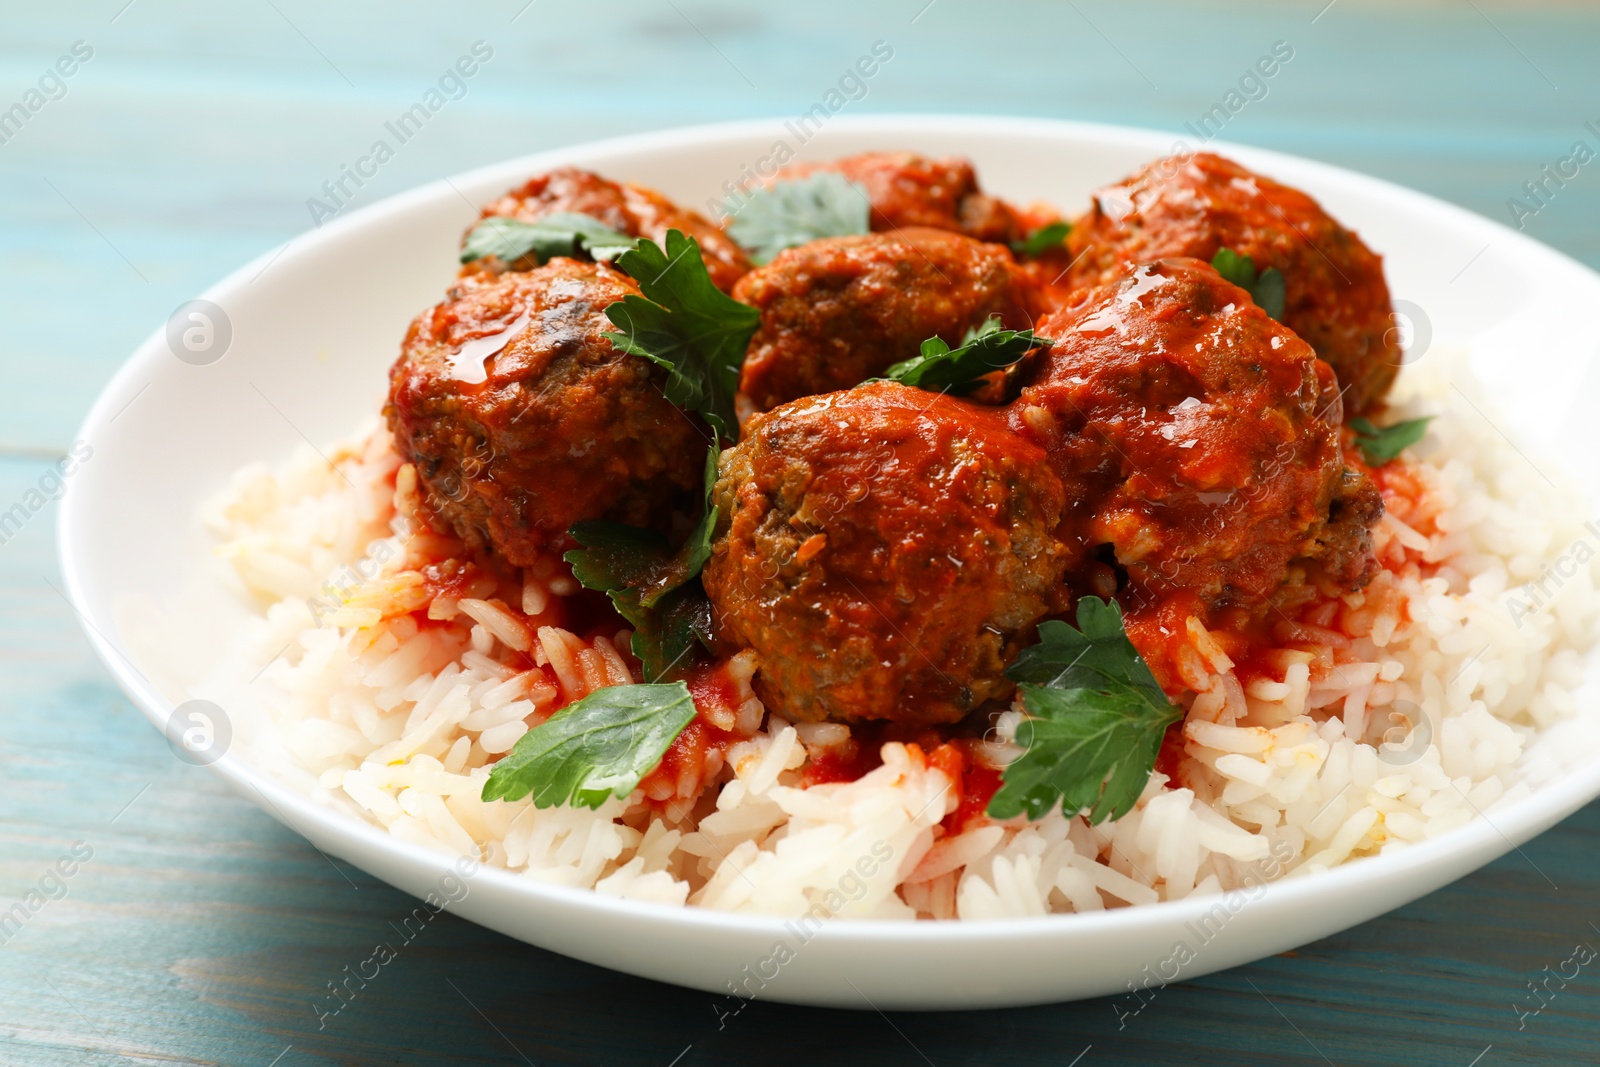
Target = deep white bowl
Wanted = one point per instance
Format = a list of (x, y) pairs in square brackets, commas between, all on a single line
[(316, 323)]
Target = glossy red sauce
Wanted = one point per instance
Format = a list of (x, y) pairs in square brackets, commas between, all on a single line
[(861, 754), (712, 687), (451, 578), (843, 763), (976, 781), (716, 696), (1158, 628), (1171, 754), (689, 750)]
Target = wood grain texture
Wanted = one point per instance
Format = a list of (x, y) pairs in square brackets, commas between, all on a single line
[(201, 931)]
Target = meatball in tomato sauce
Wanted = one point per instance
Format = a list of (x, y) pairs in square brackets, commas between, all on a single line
[(1198, 441), (886, 552), (838, 311), (1335, 294), (629, 209), (521, 418)]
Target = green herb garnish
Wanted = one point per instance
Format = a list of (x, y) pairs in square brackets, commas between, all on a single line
[(564, 233), (693, 553), (1042, 240), (687, 325), (1265, 288), (654, 587), (1380, 444), (629, 565), (790, 213), (593, 748), (1097, 720), (960, 370)]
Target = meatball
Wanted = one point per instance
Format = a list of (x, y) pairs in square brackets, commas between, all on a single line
[(840, 310), (630, 209), (521, 418), (885, 551), (1197, 438), (911, 190), (1335, 294)]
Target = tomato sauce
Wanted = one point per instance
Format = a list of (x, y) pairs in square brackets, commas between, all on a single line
[(976, 782), (861, 754), (1159, 629), (452, 578), (1170, 756), (716, 699), (842, 763)]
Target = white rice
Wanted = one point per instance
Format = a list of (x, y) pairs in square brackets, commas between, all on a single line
[(1442, 675)]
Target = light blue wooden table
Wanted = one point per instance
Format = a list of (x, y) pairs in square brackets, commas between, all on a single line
[(200, 931)]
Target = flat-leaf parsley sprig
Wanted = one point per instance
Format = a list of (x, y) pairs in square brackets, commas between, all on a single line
[(656, 588), (594, 748), (686, 324), (789, 213), (1044, 239), (564, 233), (960, 370), (1265, 287), (1380, 444), (1096, 720)]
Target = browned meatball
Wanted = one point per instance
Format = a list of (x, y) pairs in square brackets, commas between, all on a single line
[(885, 551), (911, 190), (1196, 437), (1335, 294), (522, 419), (630, 209), (838, 311)]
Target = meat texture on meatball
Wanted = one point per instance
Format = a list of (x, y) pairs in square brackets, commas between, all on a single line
[(1335, 294), (840, 310), (907, 189), (885, 551), (521, 418), (1196, 437), (626, 208)]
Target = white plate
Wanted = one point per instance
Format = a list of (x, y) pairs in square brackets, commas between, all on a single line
[(316, 324)]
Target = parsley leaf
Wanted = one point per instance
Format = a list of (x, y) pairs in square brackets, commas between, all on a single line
[(616, 556), (693, 553), (628, 564), (1042, 240), (1097, 720), (564, 233), (652, 586), (1097, 651), (597, 746), (1265, 288), (1380, 444), (960, 370), (687, 325), (791, 213), (677, 624)]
